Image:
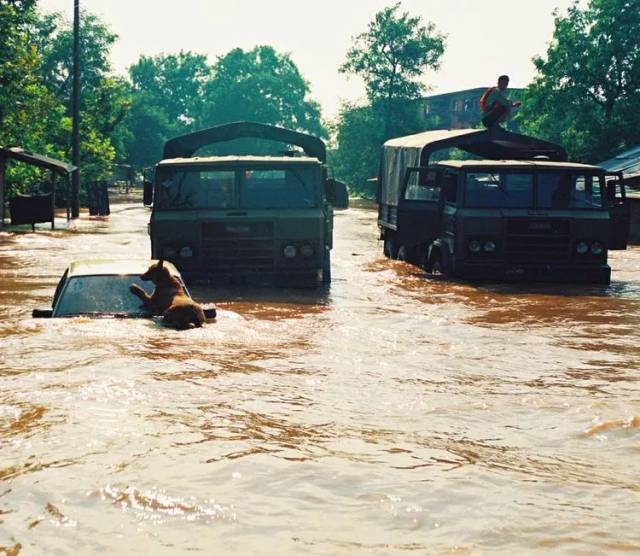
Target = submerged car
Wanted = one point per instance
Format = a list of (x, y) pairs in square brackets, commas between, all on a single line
[(100, 288)]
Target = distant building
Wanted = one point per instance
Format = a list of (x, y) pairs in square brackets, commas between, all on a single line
[(457, 110)]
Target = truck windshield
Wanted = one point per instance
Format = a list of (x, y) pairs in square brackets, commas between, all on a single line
[(281, 188), (498, 190), (181, 188), (569, 191), (201, 188)]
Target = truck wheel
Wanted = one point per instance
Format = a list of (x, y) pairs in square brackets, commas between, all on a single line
[(390, 250), (326, 268), (407, 254)]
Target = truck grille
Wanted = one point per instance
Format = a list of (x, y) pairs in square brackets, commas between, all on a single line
[(237, 246), (538, 241)]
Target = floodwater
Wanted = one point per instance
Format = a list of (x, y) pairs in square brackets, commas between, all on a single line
[(392, 414)]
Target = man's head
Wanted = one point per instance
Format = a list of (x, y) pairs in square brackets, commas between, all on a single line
[(503, 81)]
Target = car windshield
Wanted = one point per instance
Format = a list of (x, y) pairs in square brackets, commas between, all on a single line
[(498, 190), (569, 191), (103, 294), (207, 188)]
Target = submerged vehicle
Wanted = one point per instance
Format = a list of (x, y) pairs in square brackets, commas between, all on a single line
[(520, 212), (242, 217), (100, 288)]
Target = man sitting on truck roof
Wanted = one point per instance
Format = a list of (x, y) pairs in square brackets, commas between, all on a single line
[(495, 105)]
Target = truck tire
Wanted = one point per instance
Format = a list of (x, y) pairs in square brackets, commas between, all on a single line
[(435, 265), (407, 254), (326, 268), (390, 248)]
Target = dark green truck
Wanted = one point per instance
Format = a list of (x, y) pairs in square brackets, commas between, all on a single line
[(264, 219), (517, 211)]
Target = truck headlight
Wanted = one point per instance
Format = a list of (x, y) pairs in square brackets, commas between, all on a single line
[(474, 246), (290, 251), (306, 250), (596, 248), (489, 246), (581, 248), (186, 252)]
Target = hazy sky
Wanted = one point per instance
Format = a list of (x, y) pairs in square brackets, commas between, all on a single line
[(484, 38)]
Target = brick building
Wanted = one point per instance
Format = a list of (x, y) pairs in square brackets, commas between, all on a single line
[(456, 110)]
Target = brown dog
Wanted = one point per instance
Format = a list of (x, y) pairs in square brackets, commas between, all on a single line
[(169, 299)]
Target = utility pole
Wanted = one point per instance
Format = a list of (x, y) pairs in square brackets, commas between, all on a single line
[(75, 114)]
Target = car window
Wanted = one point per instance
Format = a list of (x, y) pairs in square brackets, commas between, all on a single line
[(101, 294)]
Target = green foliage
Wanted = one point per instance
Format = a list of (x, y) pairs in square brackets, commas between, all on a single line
[(105, 100), (586, 95), (259, 85), (168, 92), (391, 57), (359, 134)]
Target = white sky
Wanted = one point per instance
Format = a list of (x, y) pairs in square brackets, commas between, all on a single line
[(484, 38)]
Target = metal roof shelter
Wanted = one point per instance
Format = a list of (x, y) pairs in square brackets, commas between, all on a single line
[(495, 144), (185, 146), (54, 165), (627, 162)]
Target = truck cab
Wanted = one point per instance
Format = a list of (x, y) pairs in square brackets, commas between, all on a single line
[(262, 219), (507, 219)]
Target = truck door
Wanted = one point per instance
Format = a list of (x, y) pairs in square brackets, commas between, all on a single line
[(619, 210), (419, 208)]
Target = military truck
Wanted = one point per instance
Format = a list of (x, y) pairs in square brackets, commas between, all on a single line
[(266, 219), (513, 209)]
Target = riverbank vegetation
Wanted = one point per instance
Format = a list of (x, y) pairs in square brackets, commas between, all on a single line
[(585, 95)]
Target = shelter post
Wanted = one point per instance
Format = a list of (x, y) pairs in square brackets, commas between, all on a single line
[(3, 167), (53, 199)]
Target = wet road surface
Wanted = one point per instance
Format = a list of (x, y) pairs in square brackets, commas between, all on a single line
[(391, 414)]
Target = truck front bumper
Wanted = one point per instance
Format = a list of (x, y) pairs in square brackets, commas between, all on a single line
[(505, 272)]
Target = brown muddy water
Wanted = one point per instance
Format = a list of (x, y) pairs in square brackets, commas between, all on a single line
[(392, 414)]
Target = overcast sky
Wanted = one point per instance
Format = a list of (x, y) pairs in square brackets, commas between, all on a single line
[(484, 39)]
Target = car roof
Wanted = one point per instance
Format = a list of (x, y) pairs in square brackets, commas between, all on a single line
[(540, 164), (102, 267), (233, 160)]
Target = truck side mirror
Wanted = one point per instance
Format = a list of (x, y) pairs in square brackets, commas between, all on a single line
[(147, 193), (42, 313), (337, 194)]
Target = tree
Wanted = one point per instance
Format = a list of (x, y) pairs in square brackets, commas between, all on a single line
[(586, 94), (105, 99), (391, 57), (260, 85), (168, 92), (30, 116)]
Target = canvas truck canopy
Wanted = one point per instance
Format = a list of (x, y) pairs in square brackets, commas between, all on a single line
[(185, 146), (415, 150)]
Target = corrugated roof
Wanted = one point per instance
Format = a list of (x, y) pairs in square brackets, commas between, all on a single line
[(22, 155), (627, 162)]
